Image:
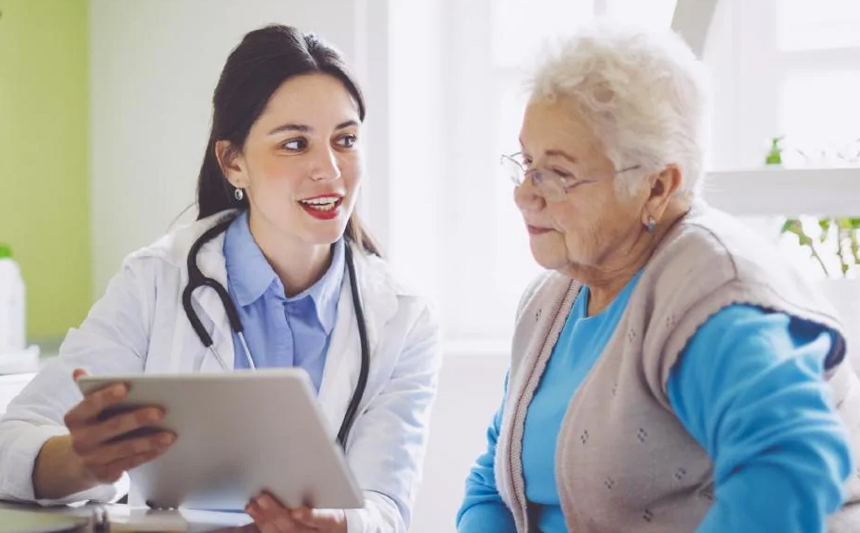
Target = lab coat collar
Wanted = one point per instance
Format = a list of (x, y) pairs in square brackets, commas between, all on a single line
[(378, 291)]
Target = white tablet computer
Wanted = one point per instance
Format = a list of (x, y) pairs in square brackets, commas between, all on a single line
[(238, 433)]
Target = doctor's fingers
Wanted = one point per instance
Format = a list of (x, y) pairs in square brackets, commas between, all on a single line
[(93, 434), (112, 452), (280, 524), (283, 525), (94, 403), (320, 519), (107, 465), (111, 472), (275, 519)]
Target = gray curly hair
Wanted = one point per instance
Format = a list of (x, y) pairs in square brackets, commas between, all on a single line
[(644, 92)]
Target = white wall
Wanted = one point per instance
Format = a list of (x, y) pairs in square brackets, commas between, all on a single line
[(154, 66), (470, 390), (416, 156)]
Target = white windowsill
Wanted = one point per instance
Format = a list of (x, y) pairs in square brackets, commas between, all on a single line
[(781, 191)]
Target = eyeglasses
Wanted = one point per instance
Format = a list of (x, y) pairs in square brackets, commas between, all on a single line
[(552, 184)]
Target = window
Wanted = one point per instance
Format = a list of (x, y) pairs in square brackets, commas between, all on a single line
[(519, 28), (818, 50), (819, 113), (653, 14), (785, 67), (818, 24), (778, 66)]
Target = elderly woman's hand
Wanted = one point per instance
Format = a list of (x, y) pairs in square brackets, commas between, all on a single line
[(270, 516)]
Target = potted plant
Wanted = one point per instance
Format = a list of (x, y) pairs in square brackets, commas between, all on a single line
[(837, 238), (833, 245)]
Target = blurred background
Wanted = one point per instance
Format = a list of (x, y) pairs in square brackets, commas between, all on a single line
[(105, 111)]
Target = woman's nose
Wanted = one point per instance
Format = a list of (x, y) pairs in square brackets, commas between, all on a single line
[(527, 198), (326, 166)]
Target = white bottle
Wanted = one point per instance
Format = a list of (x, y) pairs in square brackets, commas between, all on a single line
[(12, 307)]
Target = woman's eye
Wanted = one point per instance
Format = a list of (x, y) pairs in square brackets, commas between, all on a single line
[(563, 173), (347, 141), (295, 145)]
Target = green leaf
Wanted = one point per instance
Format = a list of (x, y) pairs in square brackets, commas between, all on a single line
[(855, 246), (840, 250), (824, 224), (789, 224)]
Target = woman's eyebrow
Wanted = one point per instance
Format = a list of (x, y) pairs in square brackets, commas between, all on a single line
[(346, 124), (304, 128), (563, 154)]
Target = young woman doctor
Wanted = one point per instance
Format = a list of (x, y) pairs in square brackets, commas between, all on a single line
[(277, 228)]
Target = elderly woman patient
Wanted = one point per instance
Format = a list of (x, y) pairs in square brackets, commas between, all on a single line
[(669, 372)]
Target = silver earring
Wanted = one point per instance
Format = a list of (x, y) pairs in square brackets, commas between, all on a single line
[(239, 194), (651, 224)]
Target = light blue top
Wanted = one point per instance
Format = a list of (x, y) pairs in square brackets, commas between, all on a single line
[(280, 331), (749, 389), (578, 348)]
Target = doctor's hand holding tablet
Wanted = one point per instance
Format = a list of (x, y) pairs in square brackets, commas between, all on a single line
[(262, 358), (107, 446), (121, 425)]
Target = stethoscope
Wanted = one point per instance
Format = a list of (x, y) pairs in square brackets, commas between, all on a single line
[(196, 279)]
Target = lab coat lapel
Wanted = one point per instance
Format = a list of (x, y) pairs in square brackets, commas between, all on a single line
[(343, 359)]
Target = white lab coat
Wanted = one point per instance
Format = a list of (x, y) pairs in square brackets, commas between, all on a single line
[(139, 326)]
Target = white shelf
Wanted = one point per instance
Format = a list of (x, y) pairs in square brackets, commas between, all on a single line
[(790, 192)]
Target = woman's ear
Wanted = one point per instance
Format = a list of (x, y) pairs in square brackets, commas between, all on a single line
[(231, 163), (663, 187)]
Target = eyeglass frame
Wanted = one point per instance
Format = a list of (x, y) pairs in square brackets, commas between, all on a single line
[(561, 181)]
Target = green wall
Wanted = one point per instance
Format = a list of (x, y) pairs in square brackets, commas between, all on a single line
[(44, 157)]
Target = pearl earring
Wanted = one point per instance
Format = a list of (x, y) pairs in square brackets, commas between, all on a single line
[(239, 194)]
